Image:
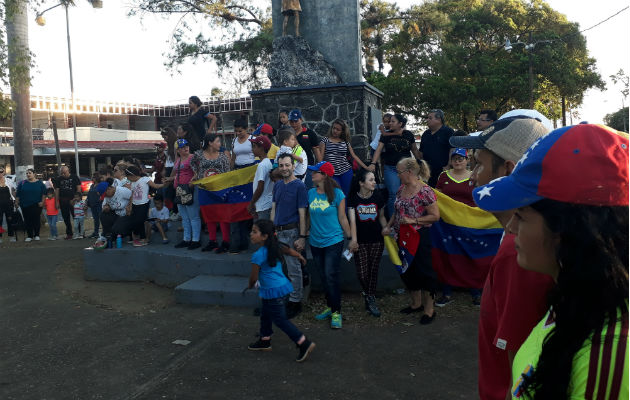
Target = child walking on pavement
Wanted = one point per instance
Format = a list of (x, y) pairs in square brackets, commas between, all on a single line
[(274, 287), (50, 203), (79, 206)]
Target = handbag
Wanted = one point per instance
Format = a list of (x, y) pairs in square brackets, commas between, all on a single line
[(183, 193)]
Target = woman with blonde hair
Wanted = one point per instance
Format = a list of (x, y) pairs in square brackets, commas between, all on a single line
[(415, 209)]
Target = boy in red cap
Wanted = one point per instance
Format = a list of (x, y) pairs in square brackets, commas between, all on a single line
[(260, 205)]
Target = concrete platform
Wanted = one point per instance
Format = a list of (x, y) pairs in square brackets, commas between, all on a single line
[(205, 277)]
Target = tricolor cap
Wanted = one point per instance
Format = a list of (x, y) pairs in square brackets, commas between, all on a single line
[(181, 143), (582, 164), (324, 167), (508, 138), (264, 129), (262, 141)]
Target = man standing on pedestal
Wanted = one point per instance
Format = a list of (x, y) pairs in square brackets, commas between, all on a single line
[(288, 213), (434, 146), (66, 186), (291, 8)]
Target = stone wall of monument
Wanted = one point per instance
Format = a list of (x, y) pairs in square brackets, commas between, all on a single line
[(321, 105)]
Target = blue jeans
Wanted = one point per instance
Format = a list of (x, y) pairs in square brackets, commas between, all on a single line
[(328, 263), (191, 222), (344, 180), (52, 224), (96, 214), (294, 268), (392, 183), (273, 310)]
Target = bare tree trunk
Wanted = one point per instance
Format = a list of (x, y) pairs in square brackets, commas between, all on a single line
[(19, 76)]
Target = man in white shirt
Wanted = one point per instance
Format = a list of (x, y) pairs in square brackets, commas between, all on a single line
[(260, 205), (115, 217)]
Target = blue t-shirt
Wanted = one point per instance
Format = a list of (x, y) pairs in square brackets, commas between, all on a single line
[(325, 227), (289, 197), (30, 192), (273, 283)]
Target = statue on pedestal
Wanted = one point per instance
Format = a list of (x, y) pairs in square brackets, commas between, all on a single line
[(291, 8)]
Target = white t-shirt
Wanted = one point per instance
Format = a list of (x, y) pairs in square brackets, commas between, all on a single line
[(169, 163), (118, 202), (243, 152), (140, 191), (300, 167), (159, 214), (262, 174), (377, 137)]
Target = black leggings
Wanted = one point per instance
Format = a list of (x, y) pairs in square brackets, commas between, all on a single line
[(6, 210), (114, 225), (139, 214), (32, 221)]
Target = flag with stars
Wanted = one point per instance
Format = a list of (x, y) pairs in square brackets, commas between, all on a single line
[(224, 197), (464, 242)]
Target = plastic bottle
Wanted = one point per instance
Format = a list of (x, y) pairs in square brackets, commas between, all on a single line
[(109, 243), (119, 242)]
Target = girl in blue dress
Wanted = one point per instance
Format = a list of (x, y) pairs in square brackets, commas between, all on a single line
[(273, 288)]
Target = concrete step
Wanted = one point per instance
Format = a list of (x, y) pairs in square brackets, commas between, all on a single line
[(217, 290)]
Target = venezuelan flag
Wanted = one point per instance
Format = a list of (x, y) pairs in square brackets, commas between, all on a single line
[(464, 242), (224, 197)]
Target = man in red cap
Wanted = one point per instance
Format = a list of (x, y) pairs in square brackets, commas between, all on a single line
[(267, 130), (260, 205)]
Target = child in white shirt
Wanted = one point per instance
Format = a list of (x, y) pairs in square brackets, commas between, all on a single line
[(289, 144)]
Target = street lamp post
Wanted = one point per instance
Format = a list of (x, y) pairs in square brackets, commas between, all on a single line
[(41, 21)]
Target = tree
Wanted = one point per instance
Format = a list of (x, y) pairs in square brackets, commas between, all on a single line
[(451, 56), (618, 120)]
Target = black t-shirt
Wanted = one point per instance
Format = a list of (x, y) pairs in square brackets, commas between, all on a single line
[(198, 122), (366, 215), (397, 147), (308, 139), (67, 186), (435, 150)]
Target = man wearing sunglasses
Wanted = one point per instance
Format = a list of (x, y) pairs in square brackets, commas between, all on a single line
[(485, 119)]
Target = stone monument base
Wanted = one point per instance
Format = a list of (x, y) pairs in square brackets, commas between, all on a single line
[(359, 104)]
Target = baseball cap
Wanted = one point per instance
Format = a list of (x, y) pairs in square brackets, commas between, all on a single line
[(508, 138), (294, 115), (102, 187), (581, 164), (460, 152), (524, 112), (262, 140), (263, 128), (324, 167), (181, 143)]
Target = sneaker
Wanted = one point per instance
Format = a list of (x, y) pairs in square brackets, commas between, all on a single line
[(52, 238), (210, 246), (476, 300), (370, 305), (139, 243), (444, 300), (165, 241), (223, 248), (324, 314), (182, 244), (28, 239), (305, 349), (99, 245), (68, 237), (194, 245), (174, 217), (36, 238), (293, 309), (260, 345), (76, 237), (94, 235), (335, 320)]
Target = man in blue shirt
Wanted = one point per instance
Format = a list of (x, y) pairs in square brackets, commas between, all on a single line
[(288, 213)]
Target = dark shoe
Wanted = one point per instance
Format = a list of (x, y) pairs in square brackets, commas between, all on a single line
[(409, 310), (194, 245), (426, 320), (210, 246), (223, 248), (293, 309), (234, 250), (182, 244), (256, 312), (444, 300), (476, 300), (370, 302), (305, 349), (68, 237), (260, 345)]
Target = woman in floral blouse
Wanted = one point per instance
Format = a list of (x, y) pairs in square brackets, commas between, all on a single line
[(415, 210)]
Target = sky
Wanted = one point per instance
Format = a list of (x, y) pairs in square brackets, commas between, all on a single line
[(120, 58)]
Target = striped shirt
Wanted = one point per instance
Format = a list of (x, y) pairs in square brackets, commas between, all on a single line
[(600, 367), (337, 155)]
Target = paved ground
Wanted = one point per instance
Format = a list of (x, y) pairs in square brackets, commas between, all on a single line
[(65, 338)]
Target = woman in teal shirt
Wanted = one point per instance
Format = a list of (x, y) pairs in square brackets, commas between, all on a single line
[(327, 214), (30, 197)]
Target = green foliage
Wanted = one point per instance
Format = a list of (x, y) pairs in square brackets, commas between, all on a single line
[(618, 120)]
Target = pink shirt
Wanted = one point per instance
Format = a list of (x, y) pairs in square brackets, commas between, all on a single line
[(183, 172)]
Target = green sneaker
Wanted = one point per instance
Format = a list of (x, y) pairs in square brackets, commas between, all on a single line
[(335, 320), (324, 314)]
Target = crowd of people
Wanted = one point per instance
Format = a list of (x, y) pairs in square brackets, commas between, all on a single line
[(554, 305)]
